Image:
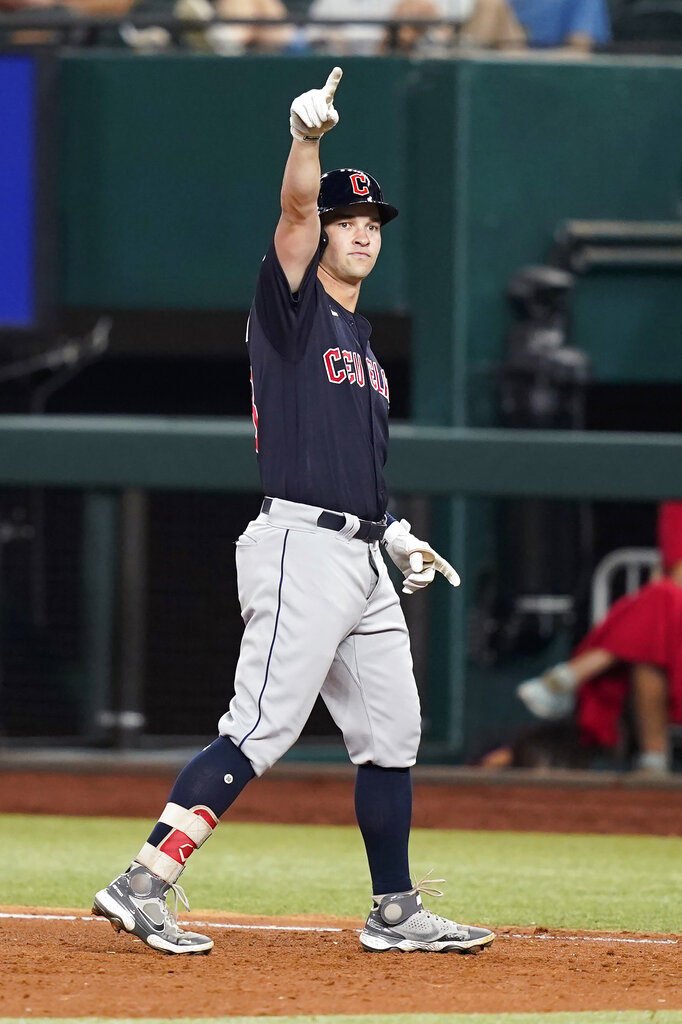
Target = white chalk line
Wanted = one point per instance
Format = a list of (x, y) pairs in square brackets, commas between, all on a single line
[(311, 928), (591, 938), (202, 924)]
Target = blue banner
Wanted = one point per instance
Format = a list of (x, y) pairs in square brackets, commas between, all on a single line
[(17, 190)]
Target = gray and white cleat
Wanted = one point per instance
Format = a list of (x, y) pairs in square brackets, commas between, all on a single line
[(399, 921), (136, 902)]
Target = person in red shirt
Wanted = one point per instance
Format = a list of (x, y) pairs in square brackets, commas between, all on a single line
[(635, 653)]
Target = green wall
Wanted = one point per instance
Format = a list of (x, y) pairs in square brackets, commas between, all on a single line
[(510, 150), (171, 166), (548, 143)]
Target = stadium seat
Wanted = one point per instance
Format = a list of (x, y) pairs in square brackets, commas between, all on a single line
[(622, 571)]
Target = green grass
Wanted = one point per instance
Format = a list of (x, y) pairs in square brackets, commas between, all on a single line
[(606, 1017), (498, 878)]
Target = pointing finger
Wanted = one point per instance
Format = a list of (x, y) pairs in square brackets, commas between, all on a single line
[(331, 84), (451, 575)]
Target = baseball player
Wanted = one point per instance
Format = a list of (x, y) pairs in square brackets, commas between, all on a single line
[(321, 615)]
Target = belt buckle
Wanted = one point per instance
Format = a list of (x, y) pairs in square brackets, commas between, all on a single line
[(370, 531)]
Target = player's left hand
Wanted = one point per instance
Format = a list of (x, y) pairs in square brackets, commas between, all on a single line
[(416, 559)]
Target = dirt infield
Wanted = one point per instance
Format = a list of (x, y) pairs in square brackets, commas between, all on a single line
[(70, 964), (82, 968)]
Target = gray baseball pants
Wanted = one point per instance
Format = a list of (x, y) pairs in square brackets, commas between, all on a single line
[(321, 616)]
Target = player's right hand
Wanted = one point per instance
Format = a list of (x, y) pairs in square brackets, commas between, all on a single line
[(313, 112)]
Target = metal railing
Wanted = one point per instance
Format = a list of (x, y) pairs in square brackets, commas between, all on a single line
[(71, 28)]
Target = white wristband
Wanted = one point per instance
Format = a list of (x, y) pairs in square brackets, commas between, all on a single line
[(301, 136)]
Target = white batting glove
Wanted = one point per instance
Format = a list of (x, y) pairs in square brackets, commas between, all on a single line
[(416, 559), (552, 695), (313, 113)]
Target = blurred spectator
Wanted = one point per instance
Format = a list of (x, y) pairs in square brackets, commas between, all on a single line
[(69, 13), (153, 37), (236, 39), (492, 23), (103, 8), (31, 37), (631, 661), (575, 25), (546, 745), (489, 23), (483, 23), (227, 40), (353, 37)]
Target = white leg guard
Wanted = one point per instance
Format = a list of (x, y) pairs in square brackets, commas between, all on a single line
[(189, 830)]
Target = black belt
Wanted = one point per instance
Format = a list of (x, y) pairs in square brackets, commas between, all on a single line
[(368, 531)]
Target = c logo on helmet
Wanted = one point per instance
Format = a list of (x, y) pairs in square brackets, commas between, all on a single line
[(360, 184)]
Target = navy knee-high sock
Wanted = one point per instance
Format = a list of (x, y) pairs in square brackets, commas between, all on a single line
[(214, 778), (383, 807)]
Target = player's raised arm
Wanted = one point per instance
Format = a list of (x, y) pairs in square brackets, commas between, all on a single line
[(298, 231)]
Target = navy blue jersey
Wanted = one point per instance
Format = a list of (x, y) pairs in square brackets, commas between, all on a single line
[(320, 397)]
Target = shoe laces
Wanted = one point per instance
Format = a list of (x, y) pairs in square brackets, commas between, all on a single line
[(427, 886), (180, 897)]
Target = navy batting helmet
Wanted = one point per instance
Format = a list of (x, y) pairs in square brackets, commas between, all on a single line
[(348, 186)]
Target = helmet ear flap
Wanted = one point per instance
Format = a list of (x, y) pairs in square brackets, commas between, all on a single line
[(324, 239)]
